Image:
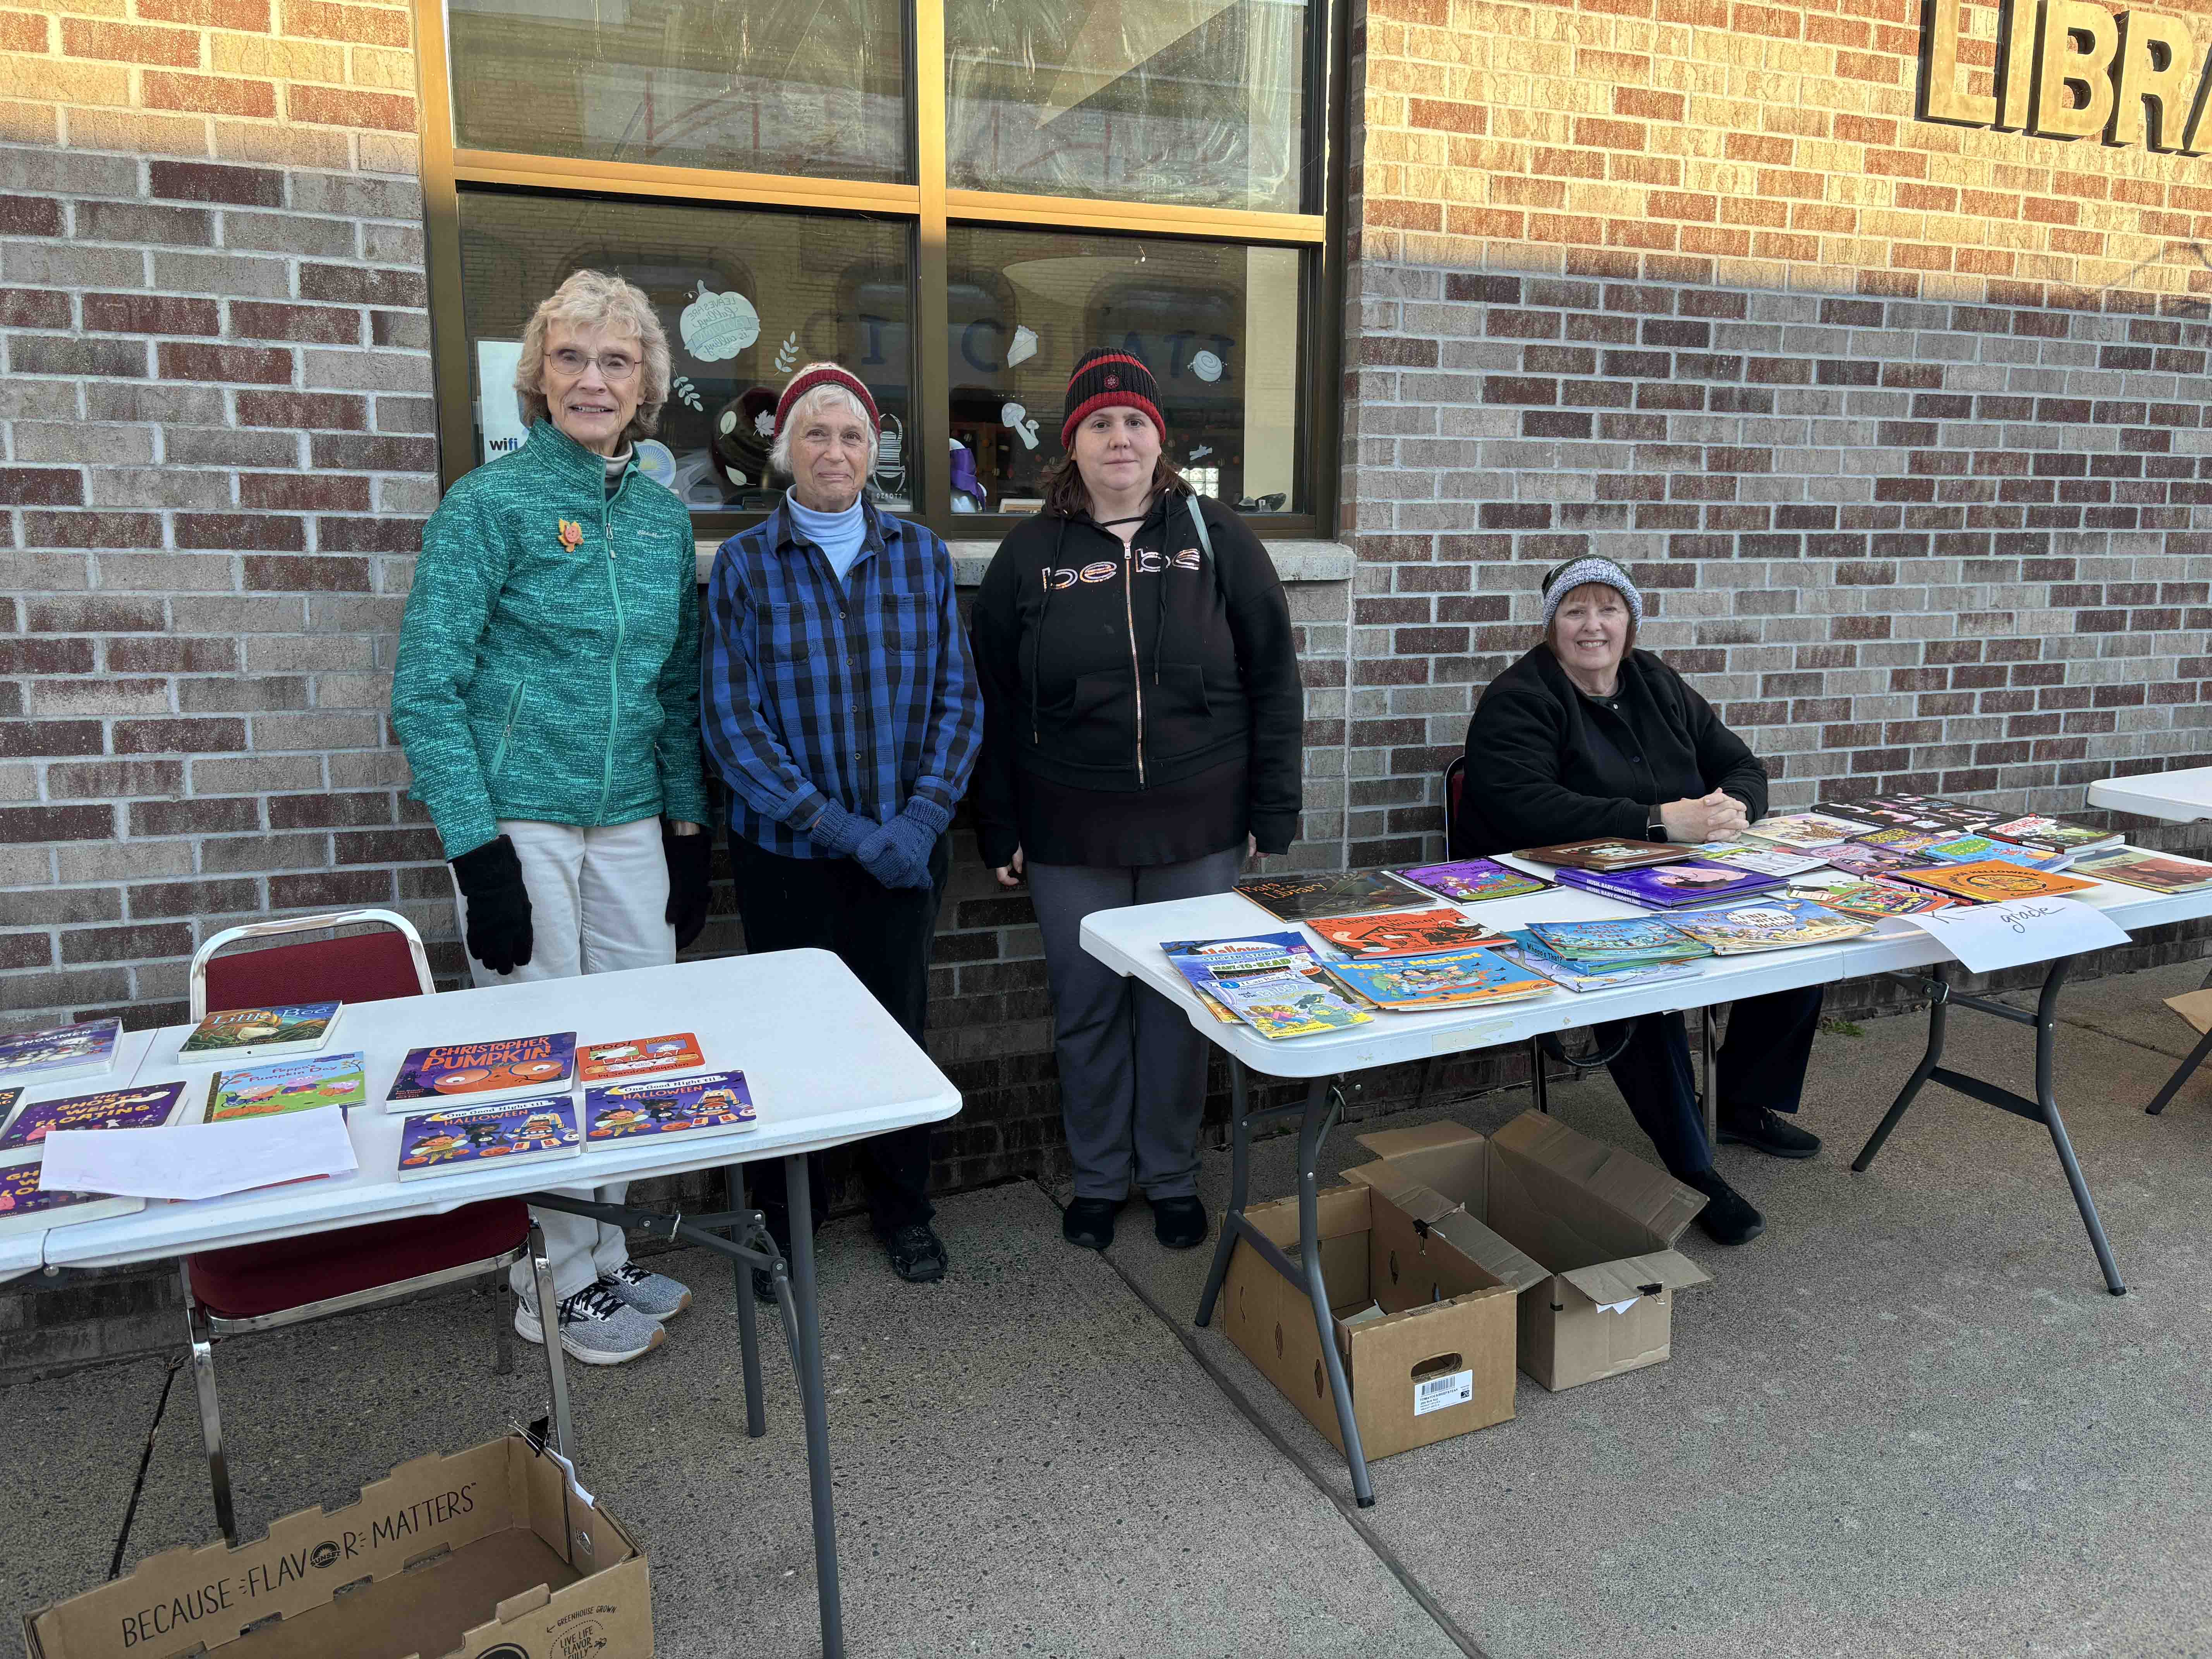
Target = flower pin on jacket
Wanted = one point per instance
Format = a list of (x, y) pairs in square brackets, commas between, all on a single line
[(572, 534)]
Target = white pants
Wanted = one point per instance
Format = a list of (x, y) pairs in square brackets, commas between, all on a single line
[(599, 902)]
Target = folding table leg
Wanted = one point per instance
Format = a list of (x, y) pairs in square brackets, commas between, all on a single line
[(1710, 1094), (1539, 1089), (749, 1356), (1240, 1174), (2046, 1095), (813, 1405), (1939, 1013), (549, 1324), (1323, 1102), (2182, 1073)]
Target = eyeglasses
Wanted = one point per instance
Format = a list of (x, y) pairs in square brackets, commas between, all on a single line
[(613, 365)]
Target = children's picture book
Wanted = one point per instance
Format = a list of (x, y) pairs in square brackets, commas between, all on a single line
[(1808, 830), (1858, 859), (715, 1102), (1332, 893), (286, 1085), (1453, 979), (2161, 872), (1197, 959), (533, 1131), (60, 1052), (1876, 811), (1287, 1004), (2054, 834), (507, 1069), (292, 1028), (600, 1062), (1670, 886), (1880, 899), (1630, 941), (24, 1208), (1604, 853), (1980, 849), (1467, 881), (1898, 840), (1993, 880), (153, 1106), (1778, 922), (1927, 813), (1592, 976), (1757, 855), (1403, 933)]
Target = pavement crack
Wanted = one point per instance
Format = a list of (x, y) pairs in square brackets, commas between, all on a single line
[(139, 1481)]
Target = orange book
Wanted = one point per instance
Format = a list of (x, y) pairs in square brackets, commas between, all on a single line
[(600, 1062), (1404, 934), (1992, 881)]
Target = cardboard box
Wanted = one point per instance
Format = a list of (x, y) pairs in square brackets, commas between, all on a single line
[(1438, 1363), (1602, 1223), (493, 1553)]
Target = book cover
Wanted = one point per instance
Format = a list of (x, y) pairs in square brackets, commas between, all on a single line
[(510, 1131), (1467, 881), (1580, 976), (1778, 922), (716, 1102), (1628, 937), (1932, 812), (1404, 934), (2160, 873), (1898, 840), (24, 1208), (1877, 811), (2054, 834), (503, 1070), (60, 1051), (1669, 886), (292, 1028), (1453, 979), (1604, 853), (1880, 899), (1288, 1004), (1756, 855), (1981, 849), (1856, 858), (598, 1062), (1331, 893), (286, 1085), (151, 1107), (1808, 830), (1984, 883), (1196, 959)]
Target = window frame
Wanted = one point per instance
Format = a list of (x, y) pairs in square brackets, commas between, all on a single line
[(929, 208)]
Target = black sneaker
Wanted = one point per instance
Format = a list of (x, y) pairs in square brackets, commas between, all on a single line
[(1090, 1222), (1179, 1223), (1729, 1216), (916, 1252), (1769, 1132)]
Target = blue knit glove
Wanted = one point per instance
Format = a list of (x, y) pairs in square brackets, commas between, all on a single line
[(897, 854), (837, 832)]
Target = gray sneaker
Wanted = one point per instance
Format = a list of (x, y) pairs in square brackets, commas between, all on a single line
[(656, 1295), (597, 1327)]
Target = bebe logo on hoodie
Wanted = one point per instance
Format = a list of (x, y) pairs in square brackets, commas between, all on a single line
[(1104, 571)]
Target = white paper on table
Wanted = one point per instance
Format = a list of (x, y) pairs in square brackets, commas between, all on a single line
[(198, 1160), (1986, 937)]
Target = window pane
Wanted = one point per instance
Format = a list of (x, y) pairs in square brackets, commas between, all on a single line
[(1217, 325), (810, 86), (1198, 102), (745, 297)]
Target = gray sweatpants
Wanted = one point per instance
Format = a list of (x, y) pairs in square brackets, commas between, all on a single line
[(1132, 1067)]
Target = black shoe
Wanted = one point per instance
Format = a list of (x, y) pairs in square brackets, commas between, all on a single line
[(916, 1252), (1729, 1216), (1090, 1222), (1770, 1133), (763, 1286), (1179, 1223)]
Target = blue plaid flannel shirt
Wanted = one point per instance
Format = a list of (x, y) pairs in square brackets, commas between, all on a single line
[(811, 690)]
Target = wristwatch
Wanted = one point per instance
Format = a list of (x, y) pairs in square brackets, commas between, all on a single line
[(1656, 828)]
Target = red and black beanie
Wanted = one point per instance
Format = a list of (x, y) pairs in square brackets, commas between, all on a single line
[(815, 374), (1104, 377)]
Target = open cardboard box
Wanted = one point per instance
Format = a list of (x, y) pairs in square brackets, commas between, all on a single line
[(493, 1553), (1584, 1231), (1438, 1363)]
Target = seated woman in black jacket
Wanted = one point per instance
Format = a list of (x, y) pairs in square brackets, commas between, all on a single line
[(1587, 736)]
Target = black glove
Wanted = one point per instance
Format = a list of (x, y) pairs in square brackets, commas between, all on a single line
[(490, 877), (688, 857)]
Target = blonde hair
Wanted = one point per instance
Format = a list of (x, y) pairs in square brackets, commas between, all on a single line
[(778, 454), (591, 298)]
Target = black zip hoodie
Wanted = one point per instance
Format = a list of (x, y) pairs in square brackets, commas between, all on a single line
[(1125, 670)]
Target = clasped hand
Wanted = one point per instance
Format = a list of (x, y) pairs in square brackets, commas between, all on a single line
[(1716, 817)]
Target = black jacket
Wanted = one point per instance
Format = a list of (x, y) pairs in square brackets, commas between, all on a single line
[(1123, 671), (1545, 765)]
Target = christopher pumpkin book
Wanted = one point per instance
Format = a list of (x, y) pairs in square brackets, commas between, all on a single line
[(481, 1073)]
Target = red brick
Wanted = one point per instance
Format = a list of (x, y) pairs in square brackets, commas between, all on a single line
[(330, 890), (21, 824), (1447, 115), (169, 939), (208, 94), (121, 43), (41, 486), (23, 31), (179, 737), (368, 26), (1680, 204), (169, 654), (302, 492), (365, 454), (319, 324), (353, 285), (150, 313), (1865, 66), (26, 950), (92, 530), (29, 215), (295, 572), (155, 900), (388, 847), (350, 809), (194, 817), (403, 535), (1764, 149), (341, 410), (1646, 105), (330, 108), (251, 16), (21, 739), (36, 656), (206, 181), (34, 307), (1593, 133), (236, 365), (241, 533), (99, 613), (1404, 216)]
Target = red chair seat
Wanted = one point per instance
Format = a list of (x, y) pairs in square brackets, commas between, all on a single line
[(253, 1280)]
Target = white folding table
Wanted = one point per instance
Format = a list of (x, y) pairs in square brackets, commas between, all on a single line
[(2181, 797), (1128, 941), (825, 1063)]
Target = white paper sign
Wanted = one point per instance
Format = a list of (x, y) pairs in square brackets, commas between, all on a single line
[(1986, 937), (198, 1160), (499, 412)]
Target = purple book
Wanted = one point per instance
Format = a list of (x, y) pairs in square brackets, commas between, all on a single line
[(1672, 886)]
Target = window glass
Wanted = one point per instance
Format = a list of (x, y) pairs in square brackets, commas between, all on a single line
[(1194, 102), (1217, 325), (815, 88), (745, 298)]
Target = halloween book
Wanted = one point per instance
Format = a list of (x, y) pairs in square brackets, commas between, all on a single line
[(60, 1052), (1332, 893), (1468, 881), (481, 1073), (1403, 933), (1993, 881), (715, 1102), (1672, 886), (151, 1106), (288, 1028), (535, 1131), (606, 1062), (25, 1208)]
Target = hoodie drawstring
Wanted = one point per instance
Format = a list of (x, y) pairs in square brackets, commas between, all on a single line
[(1036, 641)]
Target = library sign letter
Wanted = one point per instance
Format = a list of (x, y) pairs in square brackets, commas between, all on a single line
[(2069, 69)]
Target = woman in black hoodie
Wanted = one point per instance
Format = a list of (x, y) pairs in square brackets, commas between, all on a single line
[(1142, 730)]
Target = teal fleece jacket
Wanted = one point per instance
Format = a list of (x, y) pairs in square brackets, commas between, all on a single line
[(549, 658)]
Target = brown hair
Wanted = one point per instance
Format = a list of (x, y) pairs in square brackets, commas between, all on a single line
[(1066, 494), (1552, 645)]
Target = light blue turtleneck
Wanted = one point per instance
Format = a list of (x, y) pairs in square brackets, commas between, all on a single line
[(839, 535)]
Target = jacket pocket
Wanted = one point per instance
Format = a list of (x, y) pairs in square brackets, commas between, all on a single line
[(1178, 713), (507, 731), (1100, 715)]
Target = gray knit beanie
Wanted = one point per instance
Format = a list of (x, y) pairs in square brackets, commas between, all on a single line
[(1580, 572)]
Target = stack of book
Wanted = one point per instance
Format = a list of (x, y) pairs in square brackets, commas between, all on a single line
[(1672, 886), (1273, 982), (59, 1051), (1642, 942), (1453, 979), (479, 1073), (1589, 976), (1780, 922), (2161, 872), (1984, 849), (1604, 853)]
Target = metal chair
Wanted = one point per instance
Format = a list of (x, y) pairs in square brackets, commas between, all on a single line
[(263, 1287)]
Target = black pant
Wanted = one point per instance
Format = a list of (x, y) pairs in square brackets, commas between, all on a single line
[(1761, 1065), (883, 934)]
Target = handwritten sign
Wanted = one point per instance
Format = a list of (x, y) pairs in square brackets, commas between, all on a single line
[(1986, 937)]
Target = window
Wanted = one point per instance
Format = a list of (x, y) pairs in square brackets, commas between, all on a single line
[(955, 198)]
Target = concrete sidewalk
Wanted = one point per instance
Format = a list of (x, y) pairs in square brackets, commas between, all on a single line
[(1906, 1421)]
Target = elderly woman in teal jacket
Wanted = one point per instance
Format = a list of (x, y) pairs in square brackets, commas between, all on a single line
[(547, 696)]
